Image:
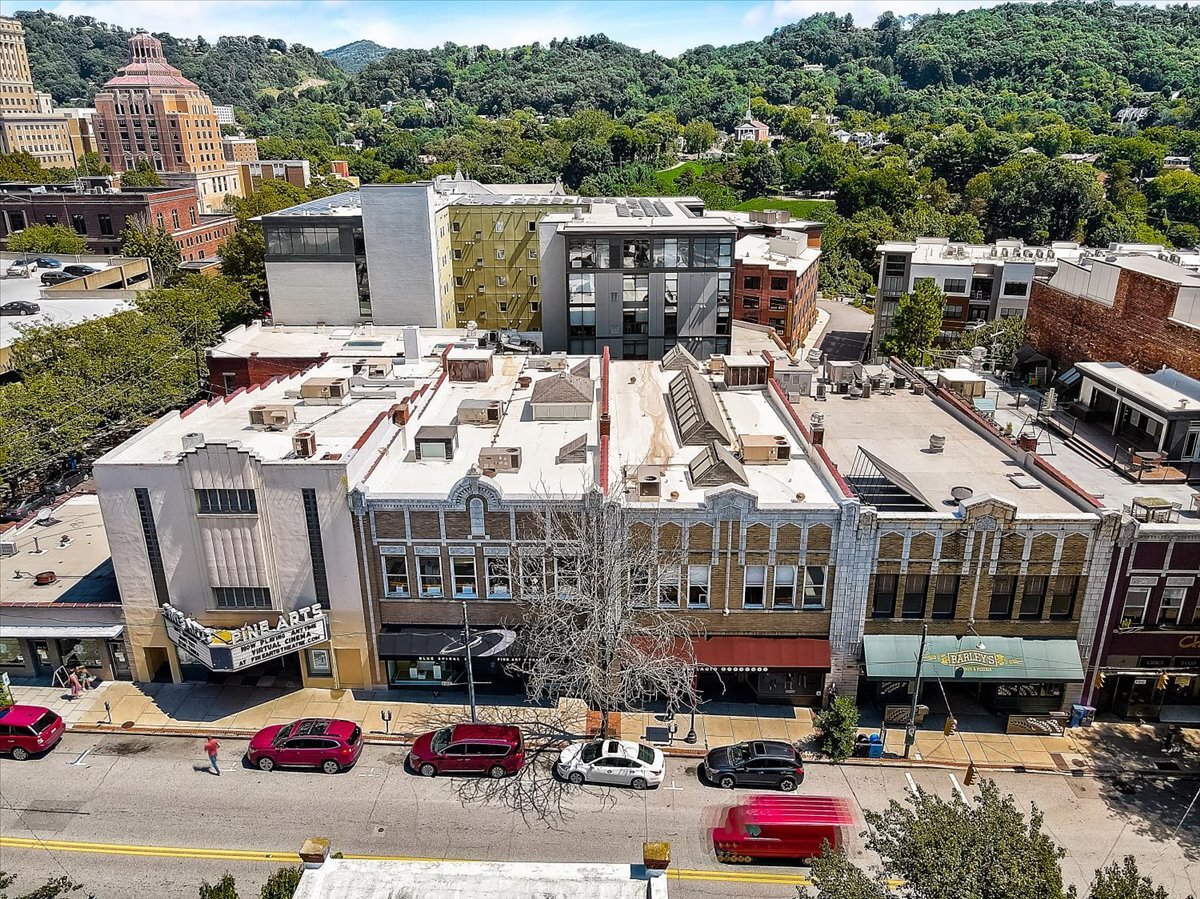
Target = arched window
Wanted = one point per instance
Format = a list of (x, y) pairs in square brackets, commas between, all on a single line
[(476, 507)]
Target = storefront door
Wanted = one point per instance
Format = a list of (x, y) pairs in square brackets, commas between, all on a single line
[(41, 658), (120, 662)]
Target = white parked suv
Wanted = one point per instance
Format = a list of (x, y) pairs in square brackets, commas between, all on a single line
[(22, 268), (618, 762)]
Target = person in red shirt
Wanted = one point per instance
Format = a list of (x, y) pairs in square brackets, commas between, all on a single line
[(211, 748)]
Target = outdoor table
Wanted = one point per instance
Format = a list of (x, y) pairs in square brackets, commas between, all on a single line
[(1153, 508)]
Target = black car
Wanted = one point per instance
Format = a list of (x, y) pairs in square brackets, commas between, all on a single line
[(80, 270), (56, 277), (20, 307), (755, 763), (22, 507)]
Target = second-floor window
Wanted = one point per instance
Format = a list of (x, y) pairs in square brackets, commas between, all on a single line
[(884, 605), (1062, 597), (429, 572), (668, 587), (242, 597), (1004, 590), (499, 577), (395, 572), (915, 588), (814, 587), (466, 582), (754, 593), (697, 596), (945, 595), (1136, 600), (1170, 607), (783, 594), (226, 502), (1034, 596)]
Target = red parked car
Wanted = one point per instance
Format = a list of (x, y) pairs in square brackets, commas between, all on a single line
[(783, 827), (326, 743), (26, 730), (494, 749)]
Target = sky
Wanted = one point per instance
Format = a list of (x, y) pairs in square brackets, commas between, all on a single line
[(668, 26)]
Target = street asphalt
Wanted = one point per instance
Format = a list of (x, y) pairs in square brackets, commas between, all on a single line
[(134, 816), (848, 333)]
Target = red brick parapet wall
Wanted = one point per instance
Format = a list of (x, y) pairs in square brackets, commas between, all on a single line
[(1137, 330)]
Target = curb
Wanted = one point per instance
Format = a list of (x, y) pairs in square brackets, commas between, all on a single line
[(678, 752)]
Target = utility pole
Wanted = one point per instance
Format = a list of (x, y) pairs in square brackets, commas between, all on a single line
[(910, 732), (470, 669)]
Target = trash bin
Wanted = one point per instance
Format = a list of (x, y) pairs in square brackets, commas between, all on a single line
[(875, 747), (1082, 716)]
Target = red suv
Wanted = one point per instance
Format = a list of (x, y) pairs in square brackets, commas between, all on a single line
[(496, 749), (26, 730), (325, 743)]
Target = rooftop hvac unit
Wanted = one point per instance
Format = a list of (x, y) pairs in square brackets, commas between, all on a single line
[(327, 390), (762, 449), (267, 417), (1049, 254), (8, 548), (500, 458), (649, 486), (304, 444)]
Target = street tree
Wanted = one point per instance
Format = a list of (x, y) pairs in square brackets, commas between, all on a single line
[(837, 877), (53, 888), (38, 239), (154, 243), (917, 323), (591, 577), (837, 727), (1122, 880), (951, 849), (225, 888), (282, 884)]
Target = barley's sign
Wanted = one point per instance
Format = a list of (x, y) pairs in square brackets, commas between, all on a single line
[(973, 659)]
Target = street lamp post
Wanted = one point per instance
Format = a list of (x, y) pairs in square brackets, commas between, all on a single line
[(470, 669), (910, 733), (691, 734)]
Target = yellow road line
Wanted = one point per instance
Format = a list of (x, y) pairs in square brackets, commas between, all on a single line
[(252, 855)]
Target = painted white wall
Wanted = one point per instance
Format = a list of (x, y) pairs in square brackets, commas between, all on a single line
[(305, 293)]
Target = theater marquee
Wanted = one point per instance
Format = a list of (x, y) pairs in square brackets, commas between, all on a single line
[(233, 650)]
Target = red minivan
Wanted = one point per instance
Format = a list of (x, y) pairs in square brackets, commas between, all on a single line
[(26, 730), (326, 743), (783, 827), (494, 749)]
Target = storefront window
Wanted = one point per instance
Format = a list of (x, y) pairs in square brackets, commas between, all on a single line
[(318, 663), (87, 652), (12, 653), (754, 592), (1136, 600)]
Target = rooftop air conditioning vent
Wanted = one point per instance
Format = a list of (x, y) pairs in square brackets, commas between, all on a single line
[(270, 417), (304, 444), (649, 486)]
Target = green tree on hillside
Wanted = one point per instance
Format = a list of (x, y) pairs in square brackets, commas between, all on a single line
[(917, 323), (49, 239), (21, 166), (699, 135)]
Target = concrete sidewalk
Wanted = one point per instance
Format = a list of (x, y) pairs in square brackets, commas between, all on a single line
[(202, 709)]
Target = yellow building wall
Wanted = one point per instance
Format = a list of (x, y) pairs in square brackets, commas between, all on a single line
[(495, 264)]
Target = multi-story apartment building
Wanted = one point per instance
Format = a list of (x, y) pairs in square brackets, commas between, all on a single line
[(101, 215), (637, 276), (232, 540), (28, 123), (239, 149), (149, 111), (443, 252), (225, 115), (775, 284), (1137, 306), (295, 172), (981, 281)]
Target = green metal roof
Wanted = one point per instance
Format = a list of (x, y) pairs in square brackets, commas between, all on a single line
[(892, 657)]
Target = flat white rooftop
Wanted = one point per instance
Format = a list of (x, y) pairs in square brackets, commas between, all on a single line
[(896, 430), (758, 249), (941, 251), (355, 879), (227, 420), (643, 213), (1165, 390), (81, 561)]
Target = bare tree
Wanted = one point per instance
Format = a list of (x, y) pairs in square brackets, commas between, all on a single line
[(591, 581)]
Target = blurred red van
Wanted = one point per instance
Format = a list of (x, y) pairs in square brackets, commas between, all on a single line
[(783, 827)]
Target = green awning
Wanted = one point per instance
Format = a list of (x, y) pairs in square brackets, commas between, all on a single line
[(890, 657)]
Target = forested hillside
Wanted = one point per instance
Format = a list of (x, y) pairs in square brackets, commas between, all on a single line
[(72, 57), (355, 56)]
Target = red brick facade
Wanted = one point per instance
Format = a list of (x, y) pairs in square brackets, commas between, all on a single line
[(229, 373), (101, 218), (776, 297), (1136, 330)]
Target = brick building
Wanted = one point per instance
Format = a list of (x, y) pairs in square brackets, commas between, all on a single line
[(149, 111), (295, 172), (775, 284), (239, 149), (28, 121), (100, 217), (1140, 310)]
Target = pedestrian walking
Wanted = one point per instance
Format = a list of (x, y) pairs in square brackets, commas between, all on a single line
[(74, 684), (211, 748)]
